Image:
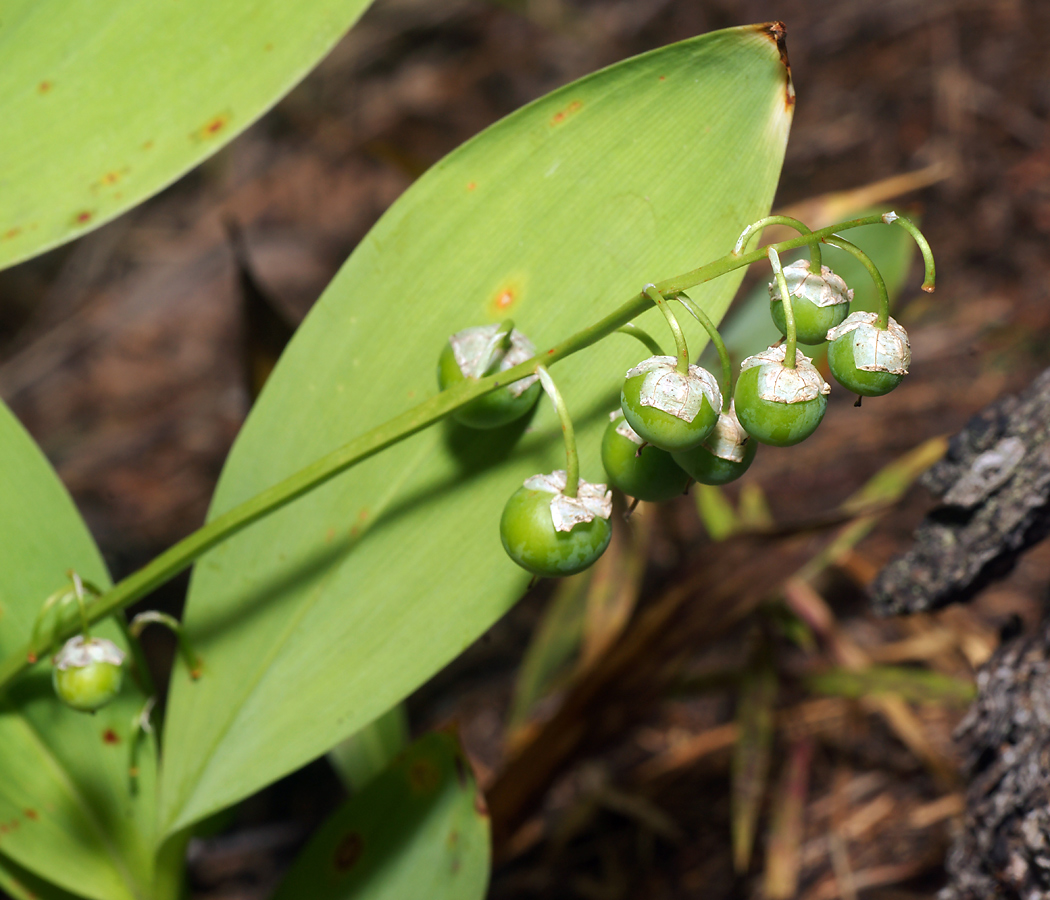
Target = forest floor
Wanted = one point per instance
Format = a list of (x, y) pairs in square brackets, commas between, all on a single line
[(127, 355)]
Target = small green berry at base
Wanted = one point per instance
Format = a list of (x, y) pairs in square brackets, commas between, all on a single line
[(530, 537), (668, 409), (638, 469), (498, 407), (87, 673), (778, 405), (868, 360), (708, 468)]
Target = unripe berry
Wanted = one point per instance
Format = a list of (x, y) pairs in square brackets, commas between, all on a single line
[(476, 352), (726, 454), (777, 405), (548, 533), (669, 409), (639, 469), (868, 360), (87, 672), (819, 301)]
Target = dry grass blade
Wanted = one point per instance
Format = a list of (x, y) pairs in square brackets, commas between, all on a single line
[(751, 758), (785, 834)]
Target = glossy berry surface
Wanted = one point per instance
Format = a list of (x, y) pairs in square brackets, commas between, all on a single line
[(703, 466), (811, 321), (663, 429), (844, 367), (91, 685), (770, 421), (650, 474), (530, 539), (499, 407)]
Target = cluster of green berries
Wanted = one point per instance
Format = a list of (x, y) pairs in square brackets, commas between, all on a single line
[(674, 425)]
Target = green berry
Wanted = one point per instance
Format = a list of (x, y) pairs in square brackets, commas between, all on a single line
[(638, 469), (476, 352), (724, 456), (669, 409), (777, 405), (885, 355), (560, 541), (87, 673), (820, 302)]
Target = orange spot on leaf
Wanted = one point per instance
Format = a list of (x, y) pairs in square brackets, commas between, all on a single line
[(471, 185), (268, 48), (111, 178), (13, 233), (329, 536), (83, 217), (363, 514), (663, 78), (109, 736), (32, 814), (563, 114), (212, 127), (348, 851), (44, 87), (148, 145)]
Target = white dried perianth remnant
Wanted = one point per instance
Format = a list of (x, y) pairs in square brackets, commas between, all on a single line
[(624, 429), (875, 349), (477, 349), (728, 439), (667, 389), (78, 652), (825, 289), (592, 501), (782, 385)]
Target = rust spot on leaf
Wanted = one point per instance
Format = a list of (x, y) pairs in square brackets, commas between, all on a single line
[(212, 127), (777, 33), (363, 514), (348, 851), (111, 178), (563, 114), (329, 536), (268, 48), (109, 736), (663, 78), (148, 145), (471, 185), (83, 217), (423, 776), (44, 87), (12, 233), (32, 814)]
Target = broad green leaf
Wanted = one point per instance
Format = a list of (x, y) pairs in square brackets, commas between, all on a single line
[(67, 810), (23, 885), (316, 620), (104, 105), (419, 829), (362, 756)]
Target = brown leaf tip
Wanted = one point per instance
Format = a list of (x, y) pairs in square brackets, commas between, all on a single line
[(777, 33)]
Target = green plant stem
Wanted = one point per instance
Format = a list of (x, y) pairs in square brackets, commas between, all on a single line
[(506, 328), (180, 556), (755, 228), (642, 335), (572, 458), (720, 346), (929, 281), (789, 310), (189, 656), (679, 338), (883, 321)]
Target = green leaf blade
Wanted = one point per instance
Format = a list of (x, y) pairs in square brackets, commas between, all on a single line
[(420, 829), (103, 107), (316, 620), (67, 811)]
